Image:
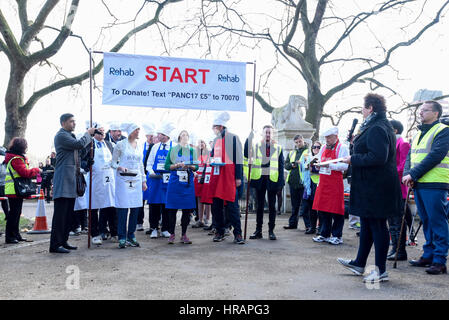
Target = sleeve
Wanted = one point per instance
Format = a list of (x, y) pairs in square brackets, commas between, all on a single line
[(195, 158), (19, 166), (377, 143), (281, 168), (438, 151), (340, 166), (66, 141), (116, 155), (168, 161), (238, 159), (404, 148), (288, 164), (151, 158), (407, 164)]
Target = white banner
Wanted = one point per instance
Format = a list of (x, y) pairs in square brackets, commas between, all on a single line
[(164, 82)]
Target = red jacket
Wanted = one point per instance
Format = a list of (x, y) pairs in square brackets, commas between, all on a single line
[(19, 166)]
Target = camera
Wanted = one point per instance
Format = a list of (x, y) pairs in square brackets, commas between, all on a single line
[(97, 132)]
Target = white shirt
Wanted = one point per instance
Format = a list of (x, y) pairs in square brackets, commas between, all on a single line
[(152, 155), (118, 150), (339, 166)]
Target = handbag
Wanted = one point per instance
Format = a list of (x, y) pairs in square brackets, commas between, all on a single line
[(80, 181), (23, 187)]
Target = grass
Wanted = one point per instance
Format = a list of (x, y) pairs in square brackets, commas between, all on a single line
[(23, 224)]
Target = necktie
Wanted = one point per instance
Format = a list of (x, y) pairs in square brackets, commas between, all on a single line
[(99, 144), (163, 146)]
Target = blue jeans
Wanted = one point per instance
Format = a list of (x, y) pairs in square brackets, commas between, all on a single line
[(122, 214), (432, 209)]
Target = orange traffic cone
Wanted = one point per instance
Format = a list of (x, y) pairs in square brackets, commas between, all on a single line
[(40, 224)]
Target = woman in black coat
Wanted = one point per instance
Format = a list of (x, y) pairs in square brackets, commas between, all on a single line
[(375, 190)]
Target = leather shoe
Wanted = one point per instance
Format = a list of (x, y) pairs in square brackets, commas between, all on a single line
[(421, 262), (290, 227), (436, 268), (401, 256), (272, 236), (59, 250), (256, 235), (310, 231), (11, 241), (69, 247)]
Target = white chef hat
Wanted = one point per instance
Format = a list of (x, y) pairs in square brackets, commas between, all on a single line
[(128, 127), (114, 126), (166, 128), (149, 128), (331, 131), (221, 118)]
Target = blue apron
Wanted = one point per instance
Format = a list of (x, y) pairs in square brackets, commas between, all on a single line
[(181, 188), (158, 186), (146, 193)]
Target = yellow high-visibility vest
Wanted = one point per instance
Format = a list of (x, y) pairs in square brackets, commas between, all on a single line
[(9, 182), (439, 173), (256, 168)]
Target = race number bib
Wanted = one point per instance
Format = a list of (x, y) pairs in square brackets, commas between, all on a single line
[(106, 180), (131, 184), (165, 177), (216, 171), (200, 169), (326, 171), (208, 169), (183, 176), (161, 166), (207, 178)]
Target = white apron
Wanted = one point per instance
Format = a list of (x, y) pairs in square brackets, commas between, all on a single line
[(128, 190), (81, 203), (103, 179)]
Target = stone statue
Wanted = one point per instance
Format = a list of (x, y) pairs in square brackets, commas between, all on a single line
[(291, 116)]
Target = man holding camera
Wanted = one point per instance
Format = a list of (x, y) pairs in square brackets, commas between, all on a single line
[(64, 181)]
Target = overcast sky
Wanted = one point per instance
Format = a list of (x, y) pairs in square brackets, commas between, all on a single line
[(425, 65)]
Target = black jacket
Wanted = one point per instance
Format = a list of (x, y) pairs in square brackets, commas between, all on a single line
[(438, 150), (375, 189), (272, 186), (294, 178)]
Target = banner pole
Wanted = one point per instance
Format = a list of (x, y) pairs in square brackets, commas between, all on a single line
[(91, 152), (250, 160)]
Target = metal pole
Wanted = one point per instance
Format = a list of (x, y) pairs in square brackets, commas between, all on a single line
[(250, 151), (91, 151), (402, 229)]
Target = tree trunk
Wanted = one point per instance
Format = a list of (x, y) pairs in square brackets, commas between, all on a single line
[(315, 108), (16, 122)]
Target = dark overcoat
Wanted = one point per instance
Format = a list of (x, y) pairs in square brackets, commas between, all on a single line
[(375, 189)]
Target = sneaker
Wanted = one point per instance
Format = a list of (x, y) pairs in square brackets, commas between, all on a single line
[(335, 241), (153, 234), (104, 236), (206, 222), (165, 234), (132, 242), (374, 277), (199, 224), (97, 240), (320, 239), (72, 233), (238, 239), (227, 233), (139, 227), (122, 244), (355, 226), (185, 240), (78, 230), (114, 239), (171, 240), (348, 264), (212, 232), (208, 228), (218, 238)]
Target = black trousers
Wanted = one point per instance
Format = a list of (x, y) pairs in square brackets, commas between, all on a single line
[(260, 196), (108, 217), (12, 224), (79, 220), (141, 215), (331, 223), (46, 187), (185, 220), (373, 231), (61, 222), (296, 197), (156, 211), (309, 216)]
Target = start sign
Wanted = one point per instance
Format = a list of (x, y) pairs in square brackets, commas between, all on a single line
[(165, 82)]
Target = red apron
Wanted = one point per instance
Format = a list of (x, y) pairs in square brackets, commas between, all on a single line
[(222, 181), (329, 196)]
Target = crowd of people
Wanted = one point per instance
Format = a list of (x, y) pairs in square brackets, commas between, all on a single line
[(208, 178)]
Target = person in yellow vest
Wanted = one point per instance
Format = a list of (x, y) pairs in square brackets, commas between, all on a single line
[(267, 176), (294, 179), (427, 172), (16, 167)]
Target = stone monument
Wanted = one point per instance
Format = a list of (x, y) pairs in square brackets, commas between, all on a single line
[(288, 121)]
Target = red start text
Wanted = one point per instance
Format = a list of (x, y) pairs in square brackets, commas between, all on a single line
[(171, 74)]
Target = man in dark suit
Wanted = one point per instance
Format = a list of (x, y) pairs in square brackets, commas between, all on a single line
[(64, 181)]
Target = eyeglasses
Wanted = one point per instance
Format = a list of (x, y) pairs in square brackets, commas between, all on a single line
[(316, 147), (426, 110)]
